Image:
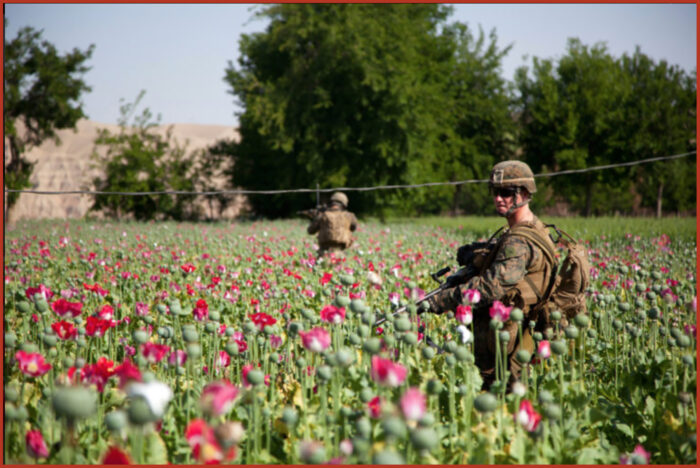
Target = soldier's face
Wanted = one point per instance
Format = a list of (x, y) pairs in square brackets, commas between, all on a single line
[(504, 198)]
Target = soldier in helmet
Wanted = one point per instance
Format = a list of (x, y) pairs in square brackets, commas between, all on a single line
[(518, 272), (334, 225)]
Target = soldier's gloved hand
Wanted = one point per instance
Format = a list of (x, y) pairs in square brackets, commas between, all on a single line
[(463, 254)]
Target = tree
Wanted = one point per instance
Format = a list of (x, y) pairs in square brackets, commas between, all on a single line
[(660, 120), (569, 116), (354, 95), (138, 159), (41, 90), (482, 129), (591, 109)]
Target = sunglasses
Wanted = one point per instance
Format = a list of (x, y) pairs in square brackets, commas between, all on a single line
[(503, 192)]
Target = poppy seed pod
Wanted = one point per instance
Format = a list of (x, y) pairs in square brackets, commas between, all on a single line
[(394, 427), (424, 438), (523, 356), (581, 320), (516, 314), (372, 345), (428, 352), (387, 457), (357, 306), (342, 301), (558, 347), (434, 387), (402, 324), (74, 403), (116, 421), (290, 416), (410, 338), (324, 373), (256, 377), (504, 336), (485, 402)]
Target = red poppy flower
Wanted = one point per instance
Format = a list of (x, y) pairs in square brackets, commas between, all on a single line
[(188, 267), (63, 307), (116, 456), (64, 330), (204, 444), (127, 372), (261, 319)]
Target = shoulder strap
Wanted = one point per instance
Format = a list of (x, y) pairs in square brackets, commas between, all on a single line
[(531, 234)]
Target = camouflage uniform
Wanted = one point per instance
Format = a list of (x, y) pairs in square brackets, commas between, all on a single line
[(517, 273), (334, 226)]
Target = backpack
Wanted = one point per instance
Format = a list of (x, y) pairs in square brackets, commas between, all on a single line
[(335, 228), (568, 284)]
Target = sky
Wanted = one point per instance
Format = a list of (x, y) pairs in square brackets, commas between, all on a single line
[(178, 53)]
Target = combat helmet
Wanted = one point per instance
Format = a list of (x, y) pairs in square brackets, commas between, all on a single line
[(341, 198), (512, 174)]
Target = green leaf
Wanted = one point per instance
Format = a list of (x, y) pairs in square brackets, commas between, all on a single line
[(625, 429), (156, 451)]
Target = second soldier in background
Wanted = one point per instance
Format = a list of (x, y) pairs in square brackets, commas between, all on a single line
[(334, 225)]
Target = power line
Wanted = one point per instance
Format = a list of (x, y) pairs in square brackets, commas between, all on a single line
[(346, 189)]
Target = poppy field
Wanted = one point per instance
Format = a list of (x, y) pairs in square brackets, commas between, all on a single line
[(154, 343)]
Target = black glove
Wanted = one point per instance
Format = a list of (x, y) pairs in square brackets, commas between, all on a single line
[(464, 254)]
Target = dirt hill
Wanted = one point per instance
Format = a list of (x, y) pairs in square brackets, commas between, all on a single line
[(68, 167)]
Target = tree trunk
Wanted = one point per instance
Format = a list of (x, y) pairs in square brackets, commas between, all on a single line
[(589, 198), (455, 200), (659, 199)]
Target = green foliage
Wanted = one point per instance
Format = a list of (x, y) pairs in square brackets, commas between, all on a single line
[(41, 95), (592, 109), (356, 95), (138, 159)]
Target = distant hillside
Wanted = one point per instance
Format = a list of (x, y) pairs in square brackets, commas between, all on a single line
[(67, 167)]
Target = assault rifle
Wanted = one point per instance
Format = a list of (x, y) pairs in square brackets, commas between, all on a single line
[(466, 255), (311, 213)]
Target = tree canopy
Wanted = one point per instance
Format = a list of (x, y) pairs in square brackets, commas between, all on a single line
[(359, 95), (41, 91)]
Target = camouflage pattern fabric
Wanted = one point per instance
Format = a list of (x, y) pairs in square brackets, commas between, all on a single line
[(334, 227)]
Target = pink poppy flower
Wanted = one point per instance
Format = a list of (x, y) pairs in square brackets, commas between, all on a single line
[(316, 339), (333, 314), (638, 457), (413, 404), (224, 359), (499, 311), (204, 445), (544, 350), (62, 307), (275, 341), (218, 397), (472, 295), (36, 447), (177, 357), (32, 364), (141, 309), (386, 372), (154, 352), (527, 416), (463, 314)]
